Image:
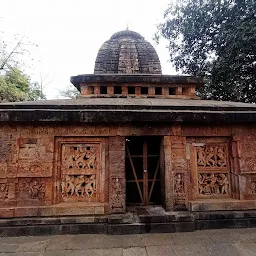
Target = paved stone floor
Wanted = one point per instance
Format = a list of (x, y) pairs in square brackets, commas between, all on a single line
[(226, 242)]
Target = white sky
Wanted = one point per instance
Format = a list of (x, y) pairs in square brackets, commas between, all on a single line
[(70, 33)]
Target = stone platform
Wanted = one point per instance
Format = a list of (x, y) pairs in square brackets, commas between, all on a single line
[(141, 220), (226, 242)]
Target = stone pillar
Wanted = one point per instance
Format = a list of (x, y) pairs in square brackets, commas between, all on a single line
[(117, 202), (176, 174)]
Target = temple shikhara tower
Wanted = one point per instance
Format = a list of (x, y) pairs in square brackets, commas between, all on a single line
[(136, 151)]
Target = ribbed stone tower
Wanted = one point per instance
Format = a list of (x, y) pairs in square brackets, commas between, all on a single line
[(127, 66), (127, 52)]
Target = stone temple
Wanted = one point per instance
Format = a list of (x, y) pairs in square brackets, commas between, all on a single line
[(136, 151)]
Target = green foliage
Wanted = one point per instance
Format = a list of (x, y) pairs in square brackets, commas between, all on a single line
[(16, 86), (69, 92), (35, 92), (216, 40)]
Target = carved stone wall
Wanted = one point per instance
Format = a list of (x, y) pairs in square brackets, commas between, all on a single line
[(26, 160), (35, 172)]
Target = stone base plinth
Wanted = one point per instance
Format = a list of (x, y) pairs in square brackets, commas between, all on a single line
[(221, 205), (61, 209)]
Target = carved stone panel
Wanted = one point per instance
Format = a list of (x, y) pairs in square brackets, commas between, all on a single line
[(117, 196), (34, 169), (253, 187), (33, 188), (117, 174), (211, 170), (213, 184), (80, 172), (35, 157), (180, 191), (78, 187), (246, 150), (33, 191), (8, 154), (178, 175), (212, 155)]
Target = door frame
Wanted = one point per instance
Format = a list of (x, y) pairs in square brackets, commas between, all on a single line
[(145, 193)]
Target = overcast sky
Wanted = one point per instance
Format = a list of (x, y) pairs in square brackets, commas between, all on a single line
[(70, 33)]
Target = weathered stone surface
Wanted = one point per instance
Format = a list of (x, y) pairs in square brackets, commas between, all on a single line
[(129, 53)]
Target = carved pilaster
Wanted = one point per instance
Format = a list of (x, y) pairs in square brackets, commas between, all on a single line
[(117, 174), (244, 163), (176, 176)]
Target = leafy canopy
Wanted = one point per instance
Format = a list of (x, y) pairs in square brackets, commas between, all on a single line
[(16, 86), (215, 39)]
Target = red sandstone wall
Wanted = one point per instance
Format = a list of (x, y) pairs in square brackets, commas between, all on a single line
[(33, 179)]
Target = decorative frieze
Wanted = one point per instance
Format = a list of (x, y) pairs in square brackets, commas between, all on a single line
[(210, 156), (212, 184), (78, 186), (34, 169), (80, 158)]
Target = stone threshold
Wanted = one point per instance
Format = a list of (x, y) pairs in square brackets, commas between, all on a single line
[(224, 204)]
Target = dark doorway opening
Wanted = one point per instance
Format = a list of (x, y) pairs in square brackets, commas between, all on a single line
[(143, 170)]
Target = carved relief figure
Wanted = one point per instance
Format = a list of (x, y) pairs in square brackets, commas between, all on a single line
[(31, 189), (117, 196), (78, 186), (5, 147), (3, 191), (223, 183), (247, 154), (80, 157), (201, 184), (200, 156), (179, 184), (35, 189), (253, 187), (213, 184), (90, 185), (211, 156)]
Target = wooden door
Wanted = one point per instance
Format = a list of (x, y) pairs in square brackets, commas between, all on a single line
[(142, 170)]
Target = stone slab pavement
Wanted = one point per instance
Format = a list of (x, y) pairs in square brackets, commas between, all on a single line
[(224, 242)]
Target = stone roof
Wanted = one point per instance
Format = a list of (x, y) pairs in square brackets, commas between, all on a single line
[(133, 79), (121, 110), (127, 52)]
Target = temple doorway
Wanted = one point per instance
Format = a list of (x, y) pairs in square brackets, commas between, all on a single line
[(143, 170)]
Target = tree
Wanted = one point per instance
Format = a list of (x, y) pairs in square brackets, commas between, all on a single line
[(16, 86), (12, 52), (69, 92), (215, 40)]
